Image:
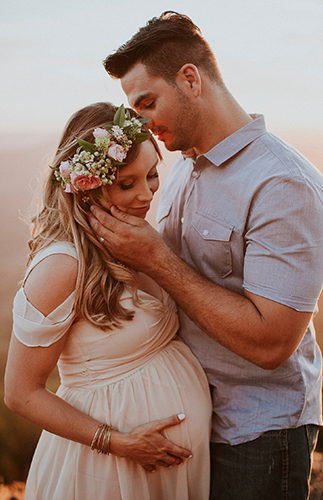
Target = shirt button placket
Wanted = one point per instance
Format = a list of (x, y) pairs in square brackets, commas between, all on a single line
[(195, 176)]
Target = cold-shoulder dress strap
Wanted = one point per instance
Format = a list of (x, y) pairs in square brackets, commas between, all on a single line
[(54, 248), (30, 326)]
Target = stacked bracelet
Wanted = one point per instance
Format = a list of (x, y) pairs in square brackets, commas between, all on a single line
[(101, 439)]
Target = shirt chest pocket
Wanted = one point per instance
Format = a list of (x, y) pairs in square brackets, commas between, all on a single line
[(209, 244)]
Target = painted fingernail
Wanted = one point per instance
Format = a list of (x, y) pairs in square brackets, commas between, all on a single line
[(181, 416)]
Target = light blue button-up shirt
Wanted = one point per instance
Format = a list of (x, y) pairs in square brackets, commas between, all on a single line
[(248, 215)]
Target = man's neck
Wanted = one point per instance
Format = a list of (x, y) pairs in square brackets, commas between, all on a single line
[(222, 118)]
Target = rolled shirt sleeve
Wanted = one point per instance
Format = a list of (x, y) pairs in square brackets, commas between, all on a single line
[(284, 241)]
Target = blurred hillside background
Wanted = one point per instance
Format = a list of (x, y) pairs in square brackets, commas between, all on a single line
[(270, 55)]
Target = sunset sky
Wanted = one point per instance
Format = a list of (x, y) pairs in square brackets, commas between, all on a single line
[(269, 53)]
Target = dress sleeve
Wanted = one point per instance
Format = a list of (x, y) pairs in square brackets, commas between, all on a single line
[(30, 326), (34, 329)]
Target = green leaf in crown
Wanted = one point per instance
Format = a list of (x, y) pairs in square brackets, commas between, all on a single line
[(141, 137), (87, 146), (144, 120), (120, 116)]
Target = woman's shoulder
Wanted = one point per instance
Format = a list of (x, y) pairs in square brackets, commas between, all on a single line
[(51, 278)]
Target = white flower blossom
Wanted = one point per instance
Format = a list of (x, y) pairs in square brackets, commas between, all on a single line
[(117, 131)]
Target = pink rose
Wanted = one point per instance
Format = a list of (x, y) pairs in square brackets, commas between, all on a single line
[(64, 169), (117, 152), (85, 182), (100, 132)]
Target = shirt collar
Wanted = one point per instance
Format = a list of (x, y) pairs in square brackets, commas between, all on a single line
[(237, 141)]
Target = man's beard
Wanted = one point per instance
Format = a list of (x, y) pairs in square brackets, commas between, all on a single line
[(187, 119)]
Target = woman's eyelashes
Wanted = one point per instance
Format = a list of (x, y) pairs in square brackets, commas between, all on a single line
[(124, 187)]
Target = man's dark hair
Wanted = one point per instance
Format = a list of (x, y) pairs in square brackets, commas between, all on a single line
[(164, 45)]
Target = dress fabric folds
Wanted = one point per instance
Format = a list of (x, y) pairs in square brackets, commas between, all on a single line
[(125, 377)]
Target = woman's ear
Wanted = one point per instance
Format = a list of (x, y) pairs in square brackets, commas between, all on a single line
[(190, 77)]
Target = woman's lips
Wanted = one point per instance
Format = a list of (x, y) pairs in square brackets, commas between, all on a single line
[(141, 210)]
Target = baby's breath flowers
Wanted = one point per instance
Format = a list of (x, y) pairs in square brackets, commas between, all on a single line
[(95, 164)]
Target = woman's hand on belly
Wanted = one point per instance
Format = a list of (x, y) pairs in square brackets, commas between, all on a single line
[(147, 446)]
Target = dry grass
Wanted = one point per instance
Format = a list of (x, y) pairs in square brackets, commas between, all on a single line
[(317, 477), (14, 491)]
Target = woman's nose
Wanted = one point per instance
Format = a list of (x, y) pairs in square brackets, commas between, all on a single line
[(146, 193)]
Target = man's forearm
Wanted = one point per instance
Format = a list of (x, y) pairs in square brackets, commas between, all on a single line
[(218, 311), (248, 325)]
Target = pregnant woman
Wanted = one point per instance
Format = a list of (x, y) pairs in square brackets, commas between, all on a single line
[(131, 418)]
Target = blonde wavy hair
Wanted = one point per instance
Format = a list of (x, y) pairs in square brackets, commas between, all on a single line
[(101, 279)]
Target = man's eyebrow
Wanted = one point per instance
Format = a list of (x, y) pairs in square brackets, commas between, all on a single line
[(140, 98)]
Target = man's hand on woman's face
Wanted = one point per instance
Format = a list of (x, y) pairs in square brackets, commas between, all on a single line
[(130, 239)]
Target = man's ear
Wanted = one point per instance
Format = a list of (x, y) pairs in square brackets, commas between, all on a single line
[(189, 76)]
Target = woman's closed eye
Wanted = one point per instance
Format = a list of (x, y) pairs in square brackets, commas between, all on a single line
[(130, 185), (124, 187)]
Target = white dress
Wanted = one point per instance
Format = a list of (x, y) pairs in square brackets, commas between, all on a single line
[(125, 377)]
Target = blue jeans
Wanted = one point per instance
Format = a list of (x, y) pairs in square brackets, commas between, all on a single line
[(275, 466)]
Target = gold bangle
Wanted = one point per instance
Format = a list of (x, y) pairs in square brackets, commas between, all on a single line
[(106, 440), (101, 439), (96, 435)]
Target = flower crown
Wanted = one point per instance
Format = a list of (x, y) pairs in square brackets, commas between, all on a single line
[(95, 164)]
